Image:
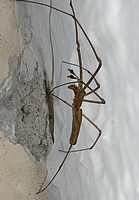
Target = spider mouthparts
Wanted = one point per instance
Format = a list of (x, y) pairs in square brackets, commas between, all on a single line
[(71, 76), (71, 71)]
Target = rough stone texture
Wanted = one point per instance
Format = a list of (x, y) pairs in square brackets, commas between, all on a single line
[(26, 108)]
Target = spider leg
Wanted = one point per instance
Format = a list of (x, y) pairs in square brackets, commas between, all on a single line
[(94, 143)]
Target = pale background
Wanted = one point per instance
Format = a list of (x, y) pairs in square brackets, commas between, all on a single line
[(111, 170)]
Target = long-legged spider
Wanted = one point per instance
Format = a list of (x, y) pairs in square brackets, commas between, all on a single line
[(79, 91)]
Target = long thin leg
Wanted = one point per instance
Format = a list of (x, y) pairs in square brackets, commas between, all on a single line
[(74, 76), (94, 143), (86, 85), (102, 101), (91, 45), (78, 66), (78, 45), (62, 100), (92, 90), (98, 85), (95, 89), (41, 190), (95, 53), (79, 52), (63, 85), (99, 130)]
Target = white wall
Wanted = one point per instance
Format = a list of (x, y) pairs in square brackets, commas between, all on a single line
[(110, 170)]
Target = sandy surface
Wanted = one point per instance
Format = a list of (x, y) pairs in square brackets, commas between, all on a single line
[(19, 176)]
